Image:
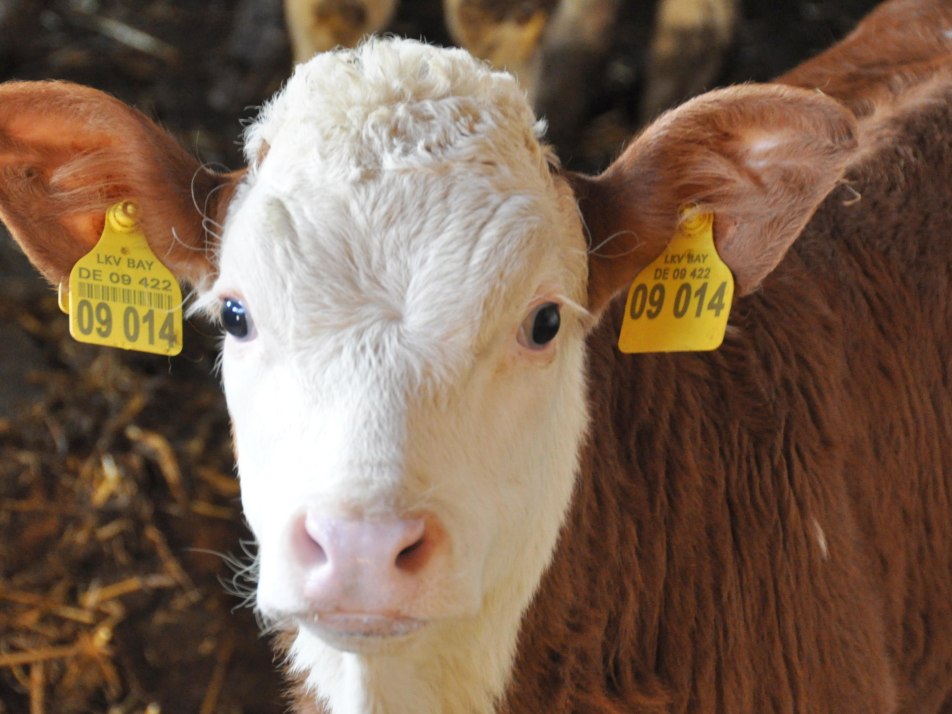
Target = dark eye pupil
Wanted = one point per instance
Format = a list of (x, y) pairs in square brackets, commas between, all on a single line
[(234, 318), (546, 324)]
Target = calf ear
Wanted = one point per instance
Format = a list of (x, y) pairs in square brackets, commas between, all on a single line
[(69, 152), (760, 157)]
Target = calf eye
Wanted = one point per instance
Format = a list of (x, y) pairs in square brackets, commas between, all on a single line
[(235, 319), (541, 326)]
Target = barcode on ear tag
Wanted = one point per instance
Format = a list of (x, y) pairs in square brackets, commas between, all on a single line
[(120, 293)]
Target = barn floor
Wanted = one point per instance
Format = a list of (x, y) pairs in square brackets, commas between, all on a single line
[(121, 539)]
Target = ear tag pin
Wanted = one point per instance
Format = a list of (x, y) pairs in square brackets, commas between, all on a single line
[(681, 301), (62, 297), (121, 295)]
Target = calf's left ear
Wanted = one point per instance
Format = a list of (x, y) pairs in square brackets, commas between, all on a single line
[(760, 157), (68, 152)]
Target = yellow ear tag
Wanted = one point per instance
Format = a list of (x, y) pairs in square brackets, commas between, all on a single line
[(681, 301), (120, 294)]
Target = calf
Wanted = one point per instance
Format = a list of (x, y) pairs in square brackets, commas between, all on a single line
[(465, 499)]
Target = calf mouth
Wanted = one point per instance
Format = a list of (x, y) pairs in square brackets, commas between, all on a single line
[(359, 632)]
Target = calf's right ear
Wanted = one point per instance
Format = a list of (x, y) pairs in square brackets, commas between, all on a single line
[(68, 152)]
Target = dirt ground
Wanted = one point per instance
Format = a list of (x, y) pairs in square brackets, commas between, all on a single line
[(117, 494)]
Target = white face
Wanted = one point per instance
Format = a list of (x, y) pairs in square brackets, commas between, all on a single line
[(412, 379)]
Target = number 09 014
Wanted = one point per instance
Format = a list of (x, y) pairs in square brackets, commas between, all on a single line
[(135, 324), (649, 302)]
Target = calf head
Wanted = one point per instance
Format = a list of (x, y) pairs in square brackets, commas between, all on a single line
[(407, 280)]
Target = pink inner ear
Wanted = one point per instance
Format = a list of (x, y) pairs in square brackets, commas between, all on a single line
[(69, 152), (45, 135), (86, 225)]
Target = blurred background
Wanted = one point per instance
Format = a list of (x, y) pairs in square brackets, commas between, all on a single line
[(122, 545)]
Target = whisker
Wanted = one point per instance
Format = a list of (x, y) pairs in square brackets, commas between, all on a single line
[(594, 250), (244, 579), (205, 214)]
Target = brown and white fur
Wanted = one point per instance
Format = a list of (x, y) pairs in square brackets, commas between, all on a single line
[(456, 516)]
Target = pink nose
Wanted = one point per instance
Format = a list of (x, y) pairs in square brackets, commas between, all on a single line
[(356, 566)]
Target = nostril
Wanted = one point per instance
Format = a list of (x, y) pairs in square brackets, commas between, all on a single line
[(409, 550), (317, 553), (415, 556), (309, 542)]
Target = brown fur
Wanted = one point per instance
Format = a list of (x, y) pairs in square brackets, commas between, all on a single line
[(768, 527), (690, 578), (865, 73), (881, 81), (764, 528)]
